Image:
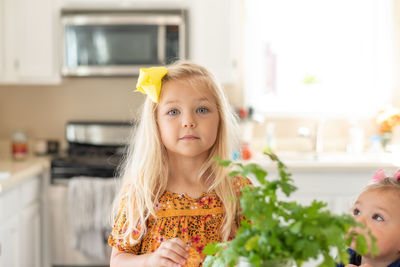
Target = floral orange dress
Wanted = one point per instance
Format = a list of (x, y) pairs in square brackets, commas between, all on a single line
[(196, 221)]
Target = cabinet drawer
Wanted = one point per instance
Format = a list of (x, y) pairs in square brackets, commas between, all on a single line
[(30, 191)]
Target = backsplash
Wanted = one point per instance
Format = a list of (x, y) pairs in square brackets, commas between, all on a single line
[(334, 135), (42, 111)]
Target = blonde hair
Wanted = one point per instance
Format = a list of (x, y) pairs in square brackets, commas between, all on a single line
[(388, 183), (145, 169)]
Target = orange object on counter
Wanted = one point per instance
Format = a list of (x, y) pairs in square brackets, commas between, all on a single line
[(246, 153), (19, 145), (242, 113)]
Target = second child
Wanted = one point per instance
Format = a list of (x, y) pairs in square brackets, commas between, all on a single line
[(378, 208)]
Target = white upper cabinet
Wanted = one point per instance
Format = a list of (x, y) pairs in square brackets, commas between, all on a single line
[(36, 46), (28, 42), (213, 37), (2, 13)]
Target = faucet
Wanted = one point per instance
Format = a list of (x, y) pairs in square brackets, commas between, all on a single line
[(316, 138)]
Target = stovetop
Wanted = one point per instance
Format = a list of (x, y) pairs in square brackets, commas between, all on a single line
[(95, 149), (87, 161), (85, 165)]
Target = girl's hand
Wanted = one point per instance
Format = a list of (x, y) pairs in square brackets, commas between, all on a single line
[(362, 265), (171, 253)]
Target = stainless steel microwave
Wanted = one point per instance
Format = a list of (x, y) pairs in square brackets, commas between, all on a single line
[(119, 43)]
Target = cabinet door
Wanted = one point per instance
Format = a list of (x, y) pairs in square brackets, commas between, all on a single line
[(35, 25), (10, 254), (9, 41), (27, 37), (2, 14), (212, 38), (30, 236)]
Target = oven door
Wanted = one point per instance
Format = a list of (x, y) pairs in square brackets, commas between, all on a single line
[(63, 251), (118, 44)]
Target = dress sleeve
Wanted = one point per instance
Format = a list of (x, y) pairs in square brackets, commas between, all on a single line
[(241, 182), (118, 228)]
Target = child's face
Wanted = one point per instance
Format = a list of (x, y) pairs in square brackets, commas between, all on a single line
[(379, 210), (187, 118)]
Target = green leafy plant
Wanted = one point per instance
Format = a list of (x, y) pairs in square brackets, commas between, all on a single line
[(275, 229)]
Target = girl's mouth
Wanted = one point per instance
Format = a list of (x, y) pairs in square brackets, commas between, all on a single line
[(189, 137)]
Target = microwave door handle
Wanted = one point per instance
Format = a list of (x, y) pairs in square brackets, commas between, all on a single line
[(161, 44)]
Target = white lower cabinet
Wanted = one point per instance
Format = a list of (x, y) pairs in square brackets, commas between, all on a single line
[(20, 225), (30, 236), (338, 188), (9, 243)]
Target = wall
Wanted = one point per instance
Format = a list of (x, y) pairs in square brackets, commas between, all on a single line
[(44, 110)]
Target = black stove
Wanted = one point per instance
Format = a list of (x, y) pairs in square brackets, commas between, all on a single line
[(85, 165), (95, 149)]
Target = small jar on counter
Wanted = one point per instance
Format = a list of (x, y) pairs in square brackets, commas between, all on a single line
[(19, 145)]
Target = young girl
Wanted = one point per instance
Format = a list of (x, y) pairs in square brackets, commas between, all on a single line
[(175, 198), (378, 207)]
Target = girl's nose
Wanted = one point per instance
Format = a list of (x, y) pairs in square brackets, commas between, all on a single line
[(188, 122)]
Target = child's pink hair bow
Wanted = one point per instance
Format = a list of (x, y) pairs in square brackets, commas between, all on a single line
[(380, 174)]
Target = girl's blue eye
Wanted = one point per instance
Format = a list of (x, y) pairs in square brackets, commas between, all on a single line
[(377, 217), (356, 212), (202, 110), (173, 112)]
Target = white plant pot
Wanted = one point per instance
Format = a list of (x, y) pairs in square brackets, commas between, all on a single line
[(243, 262)]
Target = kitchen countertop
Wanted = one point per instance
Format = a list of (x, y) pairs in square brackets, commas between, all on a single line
[(13, 173), (306, 161)]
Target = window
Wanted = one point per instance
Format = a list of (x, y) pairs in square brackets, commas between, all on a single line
[(331, 57)]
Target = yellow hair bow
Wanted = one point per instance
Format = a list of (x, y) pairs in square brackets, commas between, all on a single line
[(149, 82)]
